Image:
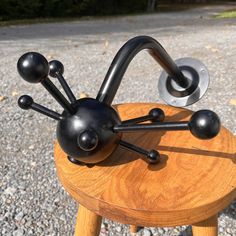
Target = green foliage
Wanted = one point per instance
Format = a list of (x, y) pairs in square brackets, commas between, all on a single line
[(56, 8), (26, 9), (227, 14), (13, 9), (106, 7)]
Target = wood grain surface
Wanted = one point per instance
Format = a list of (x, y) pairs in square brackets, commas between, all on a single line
[(88, 223), (133, 229), (194, 180), (208, 227)]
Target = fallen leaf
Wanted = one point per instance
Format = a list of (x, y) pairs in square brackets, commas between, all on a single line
[(106, 44), (49, 56), (83, 95), (212, 48), (232, 101), (2, 98), (14, 93), (31, 147)]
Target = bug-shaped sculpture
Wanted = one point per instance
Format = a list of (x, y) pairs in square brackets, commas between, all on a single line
[(89, 130)]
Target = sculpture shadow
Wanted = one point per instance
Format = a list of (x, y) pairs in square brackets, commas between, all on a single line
[(215, 154)]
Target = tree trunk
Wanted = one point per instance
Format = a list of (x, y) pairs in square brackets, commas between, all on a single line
[(151, 5)]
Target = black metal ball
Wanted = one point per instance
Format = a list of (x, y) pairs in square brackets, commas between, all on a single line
[(157, 114), (25, 102), (33, 67), (204, 124), (153, 156), (55, 67), (88, 140), (88, 135)]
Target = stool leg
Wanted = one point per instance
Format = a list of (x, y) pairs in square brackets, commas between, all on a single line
[(207, 227), (133, 229), (87, 223)]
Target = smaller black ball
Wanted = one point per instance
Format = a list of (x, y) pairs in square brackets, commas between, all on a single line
[(88, 140), (157, 114), (33, 67), (55, 67), (25, 102), (153, 157), (204, 124)]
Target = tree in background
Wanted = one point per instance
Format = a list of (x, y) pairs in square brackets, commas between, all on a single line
[(12, 9), (151, 5), (25, 9), (19, 9)]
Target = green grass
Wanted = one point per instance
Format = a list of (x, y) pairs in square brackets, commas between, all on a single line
[(227, 14)]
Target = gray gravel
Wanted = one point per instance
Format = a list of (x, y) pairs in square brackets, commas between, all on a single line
[(32, 201)]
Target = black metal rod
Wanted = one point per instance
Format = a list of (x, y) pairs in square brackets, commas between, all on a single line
[(134, 148), (153, 156), (125, 55), (41, 109), (53, 90), (137, 120), (66, 87), (155, 115), (170, 126)]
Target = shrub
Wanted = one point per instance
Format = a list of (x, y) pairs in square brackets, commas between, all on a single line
[(18, 9)]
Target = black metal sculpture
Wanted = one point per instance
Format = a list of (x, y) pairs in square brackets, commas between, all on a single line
[(89, 130)]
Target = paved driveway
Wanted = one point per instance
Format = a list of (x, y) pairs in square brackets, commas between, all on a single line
[(32, 200)]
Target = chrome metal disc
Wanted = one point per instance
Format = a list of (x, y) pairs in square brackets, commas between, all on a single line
[(196, 73)]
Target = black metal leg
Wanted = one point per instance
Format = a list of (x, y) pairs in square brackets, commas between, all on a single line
[(125, 55), (74, 161), (154, 115), (153, 156)]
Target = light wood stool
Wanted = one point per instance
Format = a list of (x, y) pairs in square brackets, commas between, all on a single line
[(193, 182)]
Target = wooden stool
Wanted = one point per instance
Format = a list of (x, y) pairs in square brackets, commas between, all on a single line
[(193, 182)]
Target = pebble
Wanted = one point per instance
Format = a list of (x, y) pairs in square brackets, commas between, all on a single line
[(36, 214), (118, 229), (19, 232), (161, 231), (147, 232), (19, 216), (10, 191)]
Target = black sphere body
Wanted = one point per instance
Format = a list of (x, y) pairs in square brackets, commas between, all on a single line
[(88, 135), (33, 67), (204, 124)]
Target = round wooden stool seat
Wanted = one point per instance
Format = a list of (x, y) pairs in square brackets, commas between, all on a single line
[(194, 180)]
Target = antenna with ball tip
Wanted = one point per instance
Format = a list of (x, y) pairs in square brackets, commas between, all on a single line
[(56, 71), (26, 102), (34, 68), (204, 124)]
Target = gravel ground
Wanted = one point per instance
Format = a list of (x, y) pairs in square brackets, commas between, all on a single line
[(32, 200)]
